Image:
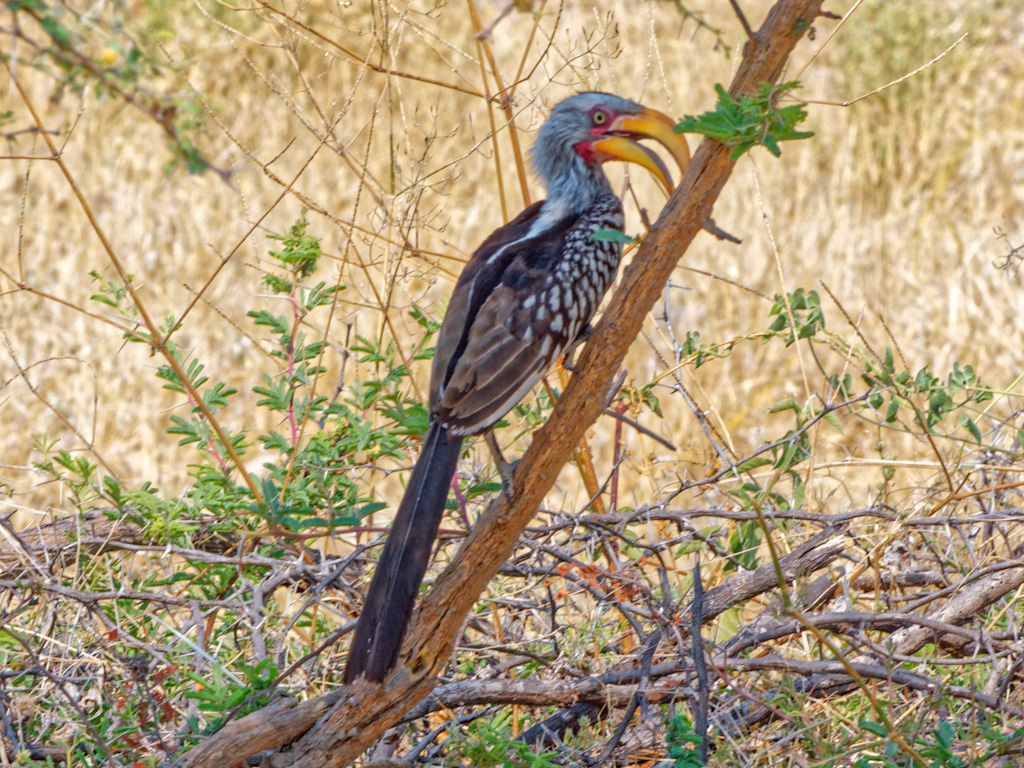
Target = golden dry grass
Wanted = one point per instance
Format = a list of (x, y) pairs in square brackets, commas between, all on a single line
[(892, 206)]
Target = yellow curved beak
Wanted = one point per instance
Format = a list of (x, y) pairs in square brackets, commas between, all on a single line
[(623, 134)]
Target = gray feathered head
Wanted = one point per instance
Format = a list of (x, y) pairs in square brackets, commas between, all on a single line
[(591, 128)]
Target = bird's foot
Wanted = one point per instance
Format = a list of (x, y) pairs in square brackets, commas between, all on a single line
[(569, 358), (505, 469)]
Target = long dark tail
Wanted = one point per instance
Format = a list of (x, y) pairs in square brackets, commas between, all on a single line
[(392, 594)]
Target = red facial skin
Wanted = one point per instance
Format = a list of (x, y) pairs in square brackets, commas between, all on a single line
[(585, 149)]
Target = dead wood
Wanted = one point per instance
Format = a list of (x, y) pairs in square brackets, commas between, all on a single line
[(814, 554), (971, 597), (49, 548)]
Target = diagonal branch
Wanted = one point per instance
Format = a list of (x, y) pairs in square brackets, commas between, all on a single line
[(365, 711)]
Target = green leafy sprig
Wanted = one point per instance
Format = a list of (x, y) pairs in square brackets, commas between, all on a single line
[(749, 121)]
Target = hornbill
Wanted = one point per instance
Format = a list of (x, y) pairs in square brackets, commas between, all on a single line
[(526, 296)]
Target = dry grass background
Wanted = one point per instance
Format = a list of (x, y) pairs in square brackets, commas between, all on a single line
[(892, 206)]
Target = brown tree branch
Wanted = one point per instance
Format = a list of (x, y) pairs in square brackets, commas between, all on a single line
[(52, 547), (610, 693), (969, 602), (368, 710), (904, 677)]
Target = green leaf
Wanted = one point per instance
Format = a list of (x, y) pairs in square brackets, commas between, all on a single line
[(689, 547), (967, 422), (369, 509), (611, 236), (789, 456), (944, 734), (754, 463), (61, 35), (891, 411), (789, 404), (832, 420), (799, 490), (876, 728)]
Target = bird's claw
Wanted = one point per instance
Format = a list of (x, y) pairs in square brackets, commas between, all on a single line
[(505, 469), (569, 359)]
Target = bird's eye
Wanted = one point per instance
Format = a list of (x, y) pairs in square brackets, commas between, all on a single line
[(599, 117)]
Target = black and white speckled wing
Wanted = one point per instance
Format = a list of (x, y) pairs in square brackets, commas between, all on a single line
[(516, 308), (480, 275)]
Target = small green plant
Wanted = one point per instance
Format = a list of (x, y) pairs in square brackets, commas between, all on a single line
[(306, 483), (750, 121), (114, 294), (961, 388), (937, 748), (489, 743), (797, 316), (683, 743), (947, 742), (220, 692), (693, 347)]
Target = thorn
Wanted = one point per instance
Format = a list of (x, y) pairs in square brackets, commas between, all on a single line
[(645, 218), (742, 18), (615, 387), (712, 228)]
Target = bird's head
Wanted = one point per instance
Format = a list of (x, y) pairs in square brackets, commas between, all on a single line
[(589, 129)]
